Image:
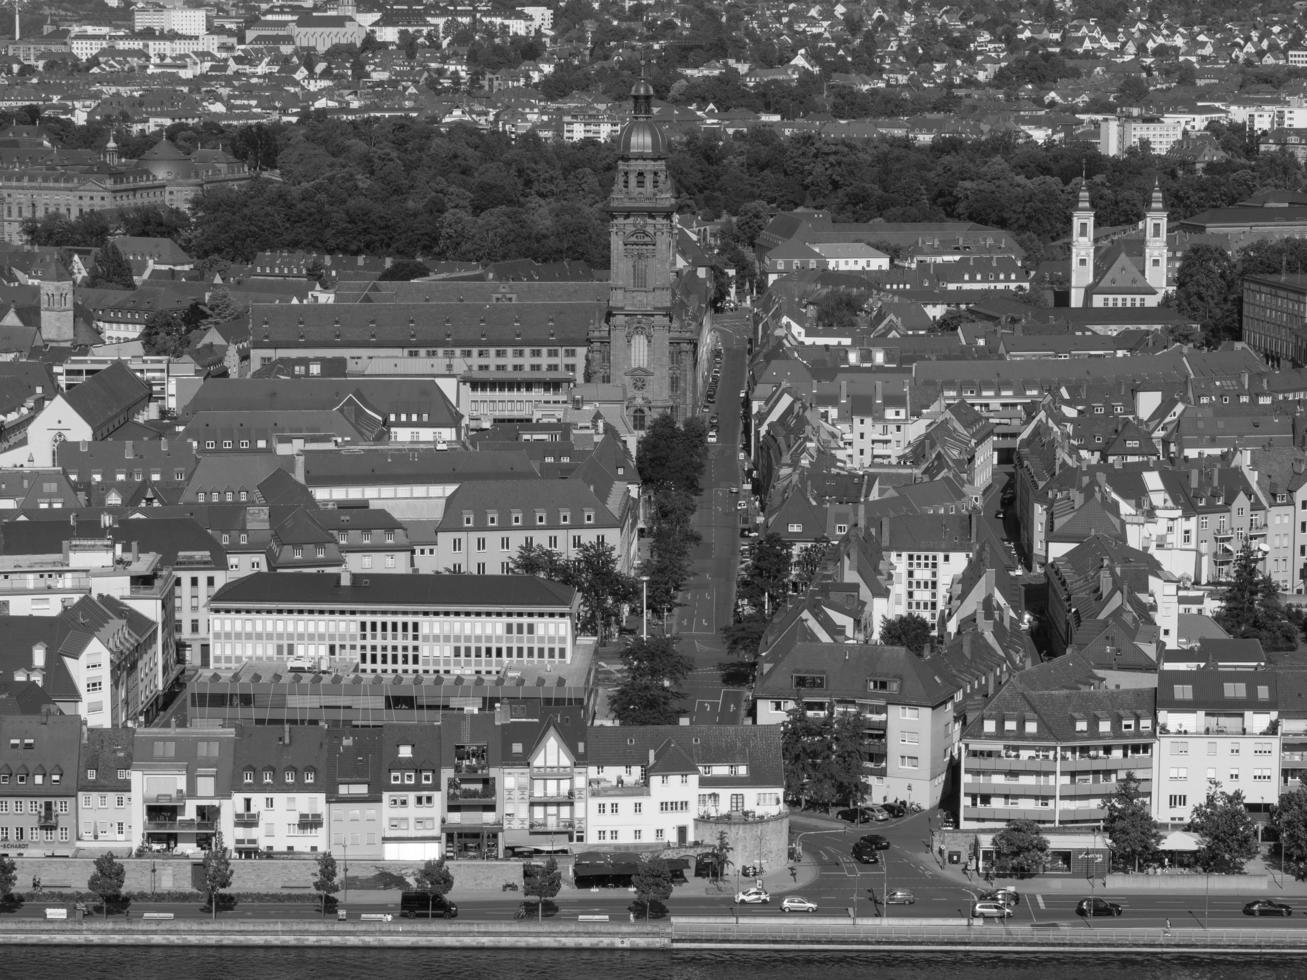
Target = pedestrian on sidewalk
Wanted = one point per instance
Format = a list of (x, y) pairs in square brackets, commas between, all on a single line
[(794, 874)]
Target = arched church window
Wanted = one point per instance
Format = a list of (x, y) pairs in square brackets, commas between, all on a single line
[(640, 272), (639, 351), (637, 420)]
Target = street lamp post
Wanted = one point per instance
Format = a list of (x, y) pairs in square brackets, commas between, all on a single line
[(884, 887), (1207, 894), (345, 878), (644, 607)]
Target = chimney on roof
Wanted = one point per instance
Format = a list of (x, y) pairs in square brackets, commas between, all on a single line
[(285, 733), (127, 449), (38, 656), (346, 578), (299, 467), (1104, 579), (651, 757), (884, 530), (967, 640)]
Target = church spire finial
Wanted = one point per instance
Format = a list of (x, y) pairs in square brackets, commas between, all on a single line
[(1082, 202)]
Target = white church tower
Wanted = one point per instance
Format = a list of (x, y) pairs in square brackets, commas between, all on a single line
[(1155, 256), (1082, 247)]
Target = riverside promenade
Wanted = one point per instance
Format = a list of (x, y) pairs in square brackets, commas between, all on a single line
[(677, 932)]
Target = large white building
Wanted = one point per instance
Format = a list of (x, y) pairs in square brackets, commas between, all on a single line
[(394, 624), (1217, 722)]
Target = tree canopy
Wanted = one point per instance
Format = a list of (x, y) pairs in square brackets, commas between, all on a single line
[(1227, 834), (542, 883), (1251, 605), (325, 882), (435, 879), (216, 871), (649, 692), (823, 758), (652, 882), (107, 879), (1290, 820), (909, 630), (1021, 849), (1129, 824)]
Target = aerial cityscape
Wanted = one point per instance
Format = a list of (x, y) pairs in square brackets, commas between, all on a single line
[(651, 473)]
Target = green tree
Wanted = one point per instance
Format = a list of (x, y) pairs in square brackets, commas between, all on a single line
[(649, 692), (1206, 291), (823, 757), (652, 882), (111, 270), (1129, 824), (603, 589), (405, 270), (536, 559), (8, 877), (167, 331), (721, 855), (434, 879), (1134, 90), (744, 636), (543, 883), (324, 879), (808, 561), (767, 582), (1289, 819), (216, 870), (1251, 605), (107, 879), (1021, 848), (909, 630), (1226, 832)]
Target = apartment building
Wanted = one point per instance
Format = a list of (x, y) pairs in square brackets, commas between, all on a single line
[(544, 773), (279, 791), (1217, 721), (1052, 756), (38, 783), (649, 784), (181, 786), (927, 552), (909, 707), (104, 788)]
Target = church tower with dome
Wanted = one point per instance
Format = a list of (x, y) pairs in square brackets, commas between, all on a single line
[(641, 347)]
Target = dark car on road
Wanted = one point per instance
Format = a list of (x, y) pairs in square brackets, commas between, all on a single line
[(894, 809), (1097, 907), (1266, 906), (876, 841), (865, 854), (413, 905)]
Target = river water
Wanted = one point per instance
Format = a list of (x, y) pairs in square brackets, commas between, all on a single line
[(197, 963)]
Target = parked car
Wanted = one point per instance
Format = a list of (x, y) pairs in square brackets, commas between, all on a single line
[(794, 903), (752, 896), (857, 814), (894, 809), (1097, 907), (990, 910), (900, 896), (876, 841), (1267, 906)]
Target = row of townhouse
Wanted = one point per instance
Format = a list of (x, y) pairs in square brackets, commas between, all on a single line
[(473, 784), (1218, 714)]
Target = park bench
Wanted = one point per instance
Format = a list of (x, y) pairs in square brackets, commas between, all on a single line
[(376, 916), (592, 918), (156, 916)]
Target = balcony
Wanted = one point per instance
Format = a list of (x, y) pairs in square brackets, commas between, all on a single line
[(481, 791), (635, 788), (873, 769), (562, 796), (1001, 787), (985, 763), (181, 826), (310, 821), (551, 826), (48, 820), (166, 799), (246, 843), (248, 819)]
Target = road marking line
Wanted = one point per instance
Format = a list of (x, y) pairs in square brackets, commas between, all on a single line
[(1040, 900)]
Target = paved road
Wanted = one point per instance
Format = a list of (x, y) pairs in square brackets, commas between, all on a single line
[(708, 600)]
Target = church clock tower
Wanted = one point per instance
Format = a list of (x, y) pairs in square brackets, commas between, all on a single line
[(641, 347)]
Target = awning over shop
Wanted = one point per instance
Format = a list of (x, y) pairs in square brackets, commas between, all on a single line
[(1179, 840)]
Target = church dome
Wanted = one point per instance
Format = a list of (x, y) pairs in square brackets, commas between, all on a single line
[(642, 138)]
